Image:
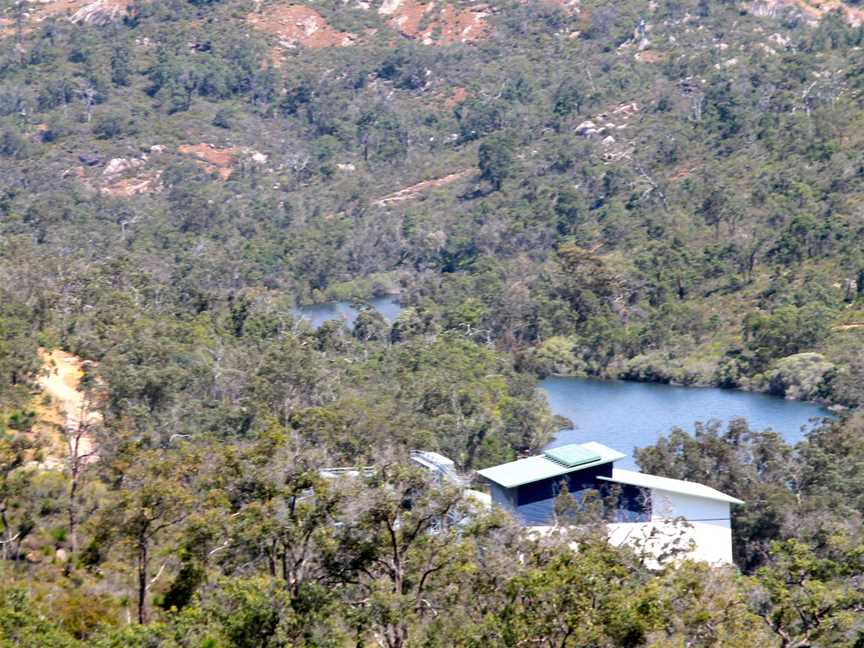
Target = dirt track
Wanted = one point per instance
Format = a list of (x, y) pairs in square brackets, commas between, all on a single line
[(412, 192), (61, 381)]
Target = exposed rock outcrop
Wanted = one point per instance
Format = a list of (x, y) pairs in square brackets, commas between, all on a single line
[(124, 178), (810, 10), (101, 12), (121, 165), (148, 182)]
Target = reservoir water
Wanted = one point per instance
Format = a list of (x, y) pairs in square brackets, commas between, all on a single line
[(317, 314), (628, 415)]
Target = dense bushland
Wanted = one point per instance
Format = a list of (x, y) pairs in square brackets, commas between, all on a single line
[(654, 191)]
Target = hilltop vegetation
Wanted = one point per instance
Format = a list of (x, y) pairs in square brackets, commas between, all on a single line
[(673, 199), (665, 191)]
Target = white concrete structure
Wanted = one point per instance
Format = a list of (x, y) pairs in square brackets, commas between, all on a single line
[(683, 514), (665, 519)]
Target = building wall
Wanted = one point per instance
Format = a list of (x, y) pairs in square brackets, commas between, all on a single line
[(704, 533), (711, 542), (534, 504), (708, 523), (668, 505), (503, 497)]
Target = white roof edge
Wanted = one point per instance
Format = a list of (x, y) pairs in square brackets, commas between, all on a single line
[(695, 489)]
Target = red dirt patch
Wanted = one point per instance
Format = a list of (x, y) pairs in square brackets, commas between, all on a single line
[(210, 154), (7, 27), (459, 95), (220, 161), (211, 159), (297, 25), (650, 56), (410, 193), (681, 173), (462, 26), (445, 26)]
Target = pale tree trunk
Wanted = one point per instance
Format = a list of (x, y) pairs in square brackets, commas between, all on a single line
[(80, 454)]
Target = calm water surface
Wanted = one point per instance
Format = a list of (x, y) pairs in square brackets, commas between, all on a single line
[(317, 314), (626, 415)]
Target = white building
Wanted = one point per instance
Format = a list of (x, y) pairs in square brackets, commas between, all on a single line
[(655, 514)]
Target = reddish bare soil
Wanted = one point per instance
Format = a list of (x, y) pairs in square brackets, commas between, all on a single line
[(212, 159), (7, 28), (295, 25), (459, 95), (681, 173), (432, 25), (210, 154), (650, 56), (220, 161), (412, 192), (463, 26)]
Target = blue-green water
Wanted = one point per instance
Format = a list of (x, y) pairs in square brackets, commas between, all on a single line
[(628, 415), (317, 314)]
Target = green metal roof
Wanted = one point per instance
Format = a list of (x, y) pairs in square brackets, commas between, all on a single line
[(540, 467), (571, 455)]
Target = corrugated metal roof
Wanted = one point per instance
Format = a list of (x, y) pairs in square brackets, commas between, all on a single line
[(632, 478), (439, 465), (538, 468)]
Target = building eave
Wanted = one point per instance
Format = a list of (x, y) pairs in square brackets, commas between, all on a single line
[(679, 486)]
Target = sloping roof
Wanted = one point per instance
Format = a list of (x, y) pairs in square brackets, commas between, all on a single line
[(672, 485), (538, 468), (439, 465)]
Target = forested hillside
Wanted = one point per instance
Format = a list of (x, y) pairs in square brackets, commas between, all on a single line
[(666, 191)]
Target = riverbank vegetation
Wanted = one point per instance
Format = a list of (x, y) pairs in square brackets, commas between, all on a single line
[(674, 202), (655, 191)]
